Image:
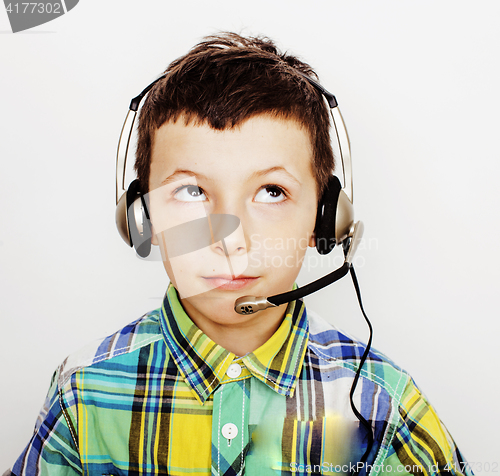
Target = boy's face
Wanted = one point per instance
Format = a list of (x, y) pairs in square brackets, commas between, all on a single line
[(201, 180)]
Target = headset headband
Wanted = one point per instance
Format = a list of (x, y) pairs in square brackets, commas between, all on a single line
[(341, 135)]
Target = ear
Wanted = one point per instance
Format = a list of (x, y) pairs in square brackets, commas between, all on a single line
[(312, 240), (154, 239)]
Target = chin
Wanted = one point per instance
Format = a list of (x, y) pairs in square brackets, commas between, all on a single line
[(216, 305)]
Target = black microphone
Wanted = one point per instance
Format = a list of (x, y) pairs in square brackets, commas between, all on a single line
[(251, 304)]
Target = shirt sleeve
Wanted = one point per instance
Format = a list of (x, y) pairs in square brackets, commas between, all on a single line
[(52, 449), (421, 444)]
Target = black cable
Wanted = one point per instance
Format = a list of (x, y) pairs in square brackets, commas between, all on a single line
[(310, 288), (356, 378)]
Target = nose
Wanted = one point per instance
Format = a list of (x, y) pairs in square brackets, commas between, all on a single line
[(227, 235)]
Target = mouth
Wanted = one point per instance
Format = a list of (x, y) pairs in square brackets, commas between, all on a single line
[(227, 282)]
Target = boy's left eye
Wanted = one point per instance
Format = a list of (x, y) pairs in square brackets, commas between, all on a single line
[(270, 194)]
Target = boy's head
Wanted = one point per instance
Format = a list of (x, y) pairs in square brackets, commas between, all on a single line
[(227, 79), (233, 131)]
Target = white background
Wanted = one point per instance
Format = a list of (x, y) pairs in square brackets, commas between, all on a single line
[(418, 84)]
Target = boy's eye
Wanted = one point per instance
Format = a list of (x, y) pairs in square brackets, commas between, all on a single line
[(270, 194), (190, 193)]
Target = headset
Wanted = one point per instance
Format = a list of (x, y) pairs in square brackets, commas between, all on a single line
[(334, 224), (334, 218)]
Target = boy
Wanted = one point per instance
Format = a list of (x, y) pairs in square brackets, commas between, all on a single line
[(234, 130)]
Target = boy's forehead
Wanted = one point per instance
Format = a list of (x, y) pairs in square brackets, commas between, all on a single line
[(258, 144)]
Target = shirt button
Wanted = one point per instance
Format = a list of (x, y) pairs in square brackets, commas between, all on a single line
[(229, 431), (234, 371)]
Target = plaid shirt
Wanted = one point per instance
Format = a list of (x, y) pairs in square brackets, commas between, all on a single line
[(160, 397)]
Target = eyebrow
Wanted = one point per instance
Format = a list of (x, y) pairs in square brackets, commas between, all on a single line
[(278, 168), (259, 173), (175, 175)]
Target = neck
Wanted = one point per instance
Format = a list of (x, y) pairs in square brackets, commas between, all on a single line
[(238, 334)]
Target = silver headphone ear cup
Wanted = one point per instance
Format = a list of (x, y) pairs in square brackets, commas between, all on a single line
[(344, 217), (326, 217), (121, 219), (139, 226)]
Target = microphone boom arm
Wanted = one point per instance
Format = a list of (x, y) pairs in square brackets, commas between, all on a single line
[(251, 304)]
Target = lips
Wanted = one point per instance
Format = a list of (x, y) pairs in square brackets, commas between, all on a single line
[(226, 282)]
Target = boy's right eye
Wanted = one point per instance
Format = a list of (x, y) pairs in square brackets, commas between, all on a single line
[(190, 193)]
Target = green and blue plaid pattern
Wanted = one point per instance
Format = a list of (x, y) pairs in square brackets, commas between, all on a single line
[(159, 397)]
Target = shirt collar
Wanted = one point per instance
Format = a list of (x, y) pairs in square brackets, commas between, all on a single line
[(203, 363)]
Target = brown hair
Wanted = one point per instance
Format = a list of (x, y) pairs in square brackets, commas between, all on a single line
[(227, 79)]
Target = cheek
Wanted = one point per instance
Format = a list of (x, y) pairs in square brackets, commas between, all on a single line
[(180, 271), (279, 246), (292, 234)]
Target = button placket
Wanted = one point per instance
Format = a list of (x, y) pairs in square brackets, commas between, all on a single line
[(230, 427)]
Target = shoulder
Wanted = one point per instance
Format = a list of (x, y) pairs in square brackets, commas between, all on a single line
[(124, 343), (334, 347), (91, 374), (404, 422)]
